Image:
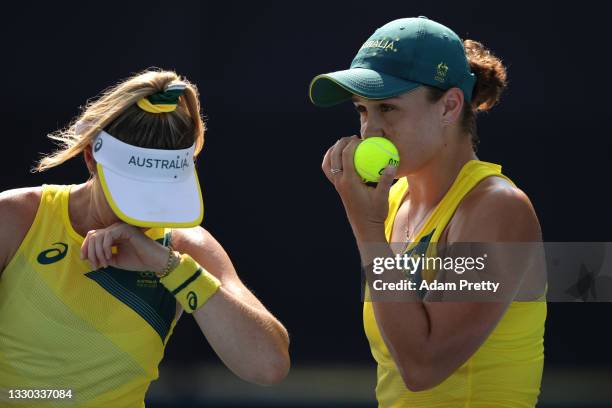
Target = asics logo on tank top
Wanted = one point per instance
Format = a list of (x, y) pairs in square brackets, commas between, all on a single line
[(52, 255)]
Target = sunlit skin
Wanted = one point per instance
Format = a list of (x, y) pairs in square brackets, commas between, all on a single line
[(89, 211), (244, 334), (427, 340), (430, 141), (422, 131)]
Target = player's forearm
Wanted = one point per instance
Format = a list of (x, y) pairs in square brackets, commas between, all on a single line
[(423, 359), (402, 318), (425, 344), (405, 327), (249, 340)]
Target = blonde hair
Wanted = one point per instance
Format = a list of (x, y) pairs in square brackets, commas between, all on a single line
[(116, 112)]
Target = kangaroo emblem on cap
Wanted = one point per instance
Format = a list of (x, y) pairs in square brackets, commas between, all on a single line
[(441, 72)]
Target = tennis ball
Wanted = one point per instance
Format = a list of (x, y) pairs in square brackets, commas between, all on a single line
[(372, 156)]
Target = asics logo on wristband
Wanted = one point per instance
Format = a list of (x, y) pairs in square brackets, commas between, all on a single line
[(52, 255), (192, 300)]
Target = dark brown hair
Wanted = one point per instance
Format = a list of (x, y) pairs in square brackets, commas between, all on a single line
[(490, 82)]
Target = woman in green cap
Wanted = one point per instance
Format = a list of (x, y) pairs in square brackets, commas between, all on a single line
[(417, 84), (95, 276)]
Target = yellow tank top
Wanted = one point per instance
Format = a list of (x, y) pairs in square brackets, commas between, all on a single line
[(100, 333), (506, 370)]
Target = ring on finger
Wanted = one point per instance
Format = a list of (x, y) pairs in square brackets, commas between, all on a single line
[(335, 171)]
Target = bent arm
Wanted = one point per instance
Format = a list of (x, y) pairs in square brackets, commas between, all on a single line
[(430, 340), (244, 334)]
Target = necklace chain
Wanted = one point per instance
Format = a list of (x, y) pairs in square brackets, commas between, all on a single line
[(416, 229)]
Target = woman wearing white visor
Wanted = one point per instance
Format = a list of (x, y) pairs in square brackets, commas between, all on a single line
[(95, 276)]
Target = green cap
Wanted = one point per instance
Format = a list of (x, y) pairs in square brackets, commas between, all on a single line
[(398, 57)]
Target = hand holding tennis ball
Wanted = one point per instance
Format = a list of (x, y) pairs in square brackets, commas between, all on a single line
[(372, 156)]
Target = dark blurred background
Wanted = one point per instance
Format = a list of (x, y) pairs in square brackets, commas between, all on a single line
[(266, 199)]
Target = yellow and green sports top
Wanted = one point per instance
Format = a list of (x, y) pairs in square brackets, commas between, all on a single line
[(506, 370), (100, 333)]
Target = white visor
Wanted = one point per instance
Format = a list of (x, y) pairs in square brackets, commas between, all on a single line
[(149, 187)]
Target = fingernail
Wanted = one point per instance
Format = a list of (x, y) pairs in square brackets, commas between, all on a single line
[(390, 170)]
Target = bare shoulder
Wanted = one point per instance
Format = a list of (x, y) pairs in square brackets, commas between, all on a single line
[(495, 210), (494, 190), (17, 211)]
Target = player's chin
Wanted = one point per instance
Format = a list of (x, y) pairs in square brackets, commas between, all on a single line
[(401, 171), (410, 165)]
